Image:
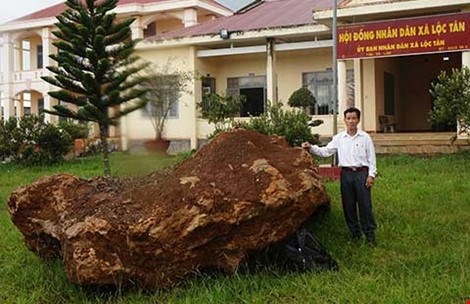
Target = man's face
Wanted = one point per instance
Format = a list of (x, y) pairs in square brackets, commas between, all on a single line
[(351, 120)]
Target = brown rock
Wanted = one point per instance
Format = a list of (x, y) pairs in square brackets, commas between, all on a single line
[(239, 193)]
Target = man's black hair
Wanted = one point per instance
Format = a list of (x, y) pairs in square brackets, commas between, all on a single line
[(353, 110)]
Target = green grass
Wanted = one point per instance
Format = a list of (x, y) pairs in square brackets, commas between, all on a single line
[(422, 206)]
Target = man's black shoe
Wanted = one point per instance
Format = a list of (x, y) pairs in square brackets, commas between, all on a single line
[(371, 241), (356, 238)]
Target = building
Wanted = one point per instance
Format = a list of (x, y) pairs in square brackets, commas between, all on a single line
[(389, 52)]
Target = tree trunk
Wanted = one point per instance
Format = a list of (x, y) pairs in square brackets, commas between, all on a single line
[(105, 150)]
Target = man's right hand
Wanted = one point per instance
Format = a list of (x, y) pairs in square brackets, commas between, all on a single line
[(306, 145)]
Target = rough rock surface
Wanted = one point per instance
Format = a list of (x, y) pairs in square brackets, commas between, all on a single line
[(239, 193)]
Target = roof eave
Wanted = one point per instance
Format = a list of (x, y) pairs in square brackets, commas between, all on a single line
[(131, 9), (237, 36), (386, 8), (27, 24), (167, 6)]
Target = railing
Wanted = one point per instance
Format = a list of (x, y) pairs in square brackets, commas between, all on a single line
[(31, 75)]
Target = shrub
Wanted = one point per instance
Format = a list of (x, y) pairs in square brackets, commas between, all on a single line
[(220, 110), (75, 130), (301, 98), (293, 124), (8, 136), (451, 96), (31, 141)]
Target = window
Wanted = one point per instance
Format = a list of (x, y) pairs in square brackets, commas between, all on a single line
[(40, 105), (253, 88), (151, 108), (208, 86), (163, 95), (321, 86), (39, 56), (207, 89)]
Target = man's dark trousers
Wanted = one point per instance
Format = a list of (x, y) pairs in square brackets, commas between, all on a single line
[(354, 193)]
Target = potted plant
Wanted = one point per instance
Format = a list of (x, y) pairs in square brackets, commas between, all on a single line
[(302, 98), (164, 88)]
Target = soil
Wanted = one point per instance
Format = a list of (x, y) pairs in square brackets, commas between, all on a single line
[(237, 153)]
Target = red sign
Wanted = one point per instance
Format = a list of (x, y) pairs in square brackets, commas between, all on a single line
[(443, 33)]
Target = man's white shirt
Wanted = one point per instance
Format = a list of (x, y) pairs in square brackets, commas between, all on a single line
[(353, 151)]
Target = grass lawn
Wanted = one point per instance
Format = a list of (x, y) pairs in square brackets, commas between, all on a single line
[(422, 206)]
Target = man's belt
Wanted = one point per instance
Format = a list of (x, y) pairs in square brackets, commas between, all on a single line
[(354, 169)]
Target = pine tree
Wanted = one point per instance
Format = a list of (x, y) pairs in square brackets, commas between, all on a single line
[(96, 69)]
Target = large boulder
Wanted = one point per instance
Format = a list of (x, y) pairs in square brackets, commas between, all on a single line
[(239, 193)]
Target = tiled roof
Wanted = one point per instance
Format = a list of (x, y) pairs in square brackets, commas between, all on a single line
[(55, 10), (268, 14)]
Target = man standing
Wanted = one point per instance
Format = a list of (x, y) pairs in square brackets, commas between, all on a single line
[(356, 157)]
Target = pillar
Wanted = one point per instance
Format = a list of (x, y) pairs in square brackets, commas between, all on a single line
[(18, 56), (124, 125), (271, 77), (20, 105), (47, 105), (190, 17), (358, 97), (8, 69), (137, 29), (47, 48), (196, 88), (342, 88)]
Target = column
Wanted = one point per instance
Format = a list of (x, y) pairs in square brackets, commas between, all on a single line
[(271, 77), (137, 29), (342, 88), (47, 105), (342, 94), (18, 56), (190, 17), (112, 130), (7, 64), (124, 133), (47, 48), (20, 105), (34, 103), (46, 51), (196, 88), (358, 98)]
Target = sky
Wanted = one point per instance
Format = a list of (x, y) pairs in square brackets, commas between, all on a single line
[(24, 7)]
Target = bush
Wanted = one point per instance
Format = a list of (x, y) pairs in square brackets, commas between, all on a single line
[(294, 125), (220, 110), (301, 98), (8, 135), (451, 96), (31, 141), (75, 130)]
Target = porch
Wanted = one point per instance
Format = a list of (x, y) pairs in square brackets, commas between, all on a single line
[(418, 143)]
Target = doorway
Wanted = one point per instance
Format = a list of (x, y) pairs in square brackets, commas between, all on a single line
[(253, 104)]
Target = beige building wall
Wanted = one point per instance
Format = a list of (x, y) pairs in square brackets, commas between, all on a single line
[(138, 125), (163, 26), (224, 67), (369, 121), (291, 65)]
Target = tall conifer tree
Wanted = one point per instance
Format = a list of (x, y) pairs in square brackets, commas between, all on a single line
[(96, 70)]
